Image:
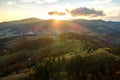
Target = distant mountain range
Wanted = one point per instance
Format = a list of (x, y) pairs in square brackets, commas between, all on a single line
[(105, 30)]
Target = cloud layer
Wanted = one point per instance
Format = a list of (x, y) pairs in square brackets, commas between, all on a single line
[(104, 0), (9, 3), (37, 1), (83, 11), (56, 13)]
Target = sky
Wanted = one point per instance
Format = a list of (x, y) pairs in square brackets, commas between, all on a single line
[(108, 10)]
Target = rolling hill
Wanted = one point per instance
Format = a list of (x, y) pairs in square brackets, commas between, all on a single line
[(67, 46), (105, 30)]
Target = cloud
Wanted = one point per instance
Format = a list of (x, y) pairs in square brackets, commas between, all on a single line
[(9, 3), (50, 0), (56, 13), (37, 1), (83, 11), (26, 1), (104, 0)]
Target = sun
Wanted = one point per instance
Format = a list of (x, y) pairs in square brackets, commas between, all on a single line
[(56, 22)]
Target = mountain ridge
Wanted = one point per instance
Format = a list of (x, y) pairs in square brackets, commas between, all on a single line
[(105, 30)]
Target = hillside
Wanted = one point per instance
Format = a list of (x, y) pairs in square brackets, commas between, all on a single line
[(105, 30), (73, 48)]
